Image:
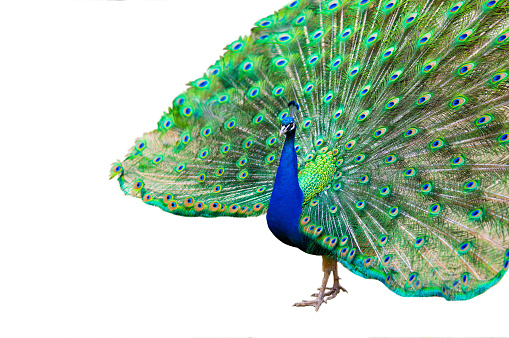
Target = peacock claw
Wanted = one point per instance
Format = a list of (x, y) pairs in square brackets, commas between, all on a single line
[(329, 265), (316, 303), (334, 291)]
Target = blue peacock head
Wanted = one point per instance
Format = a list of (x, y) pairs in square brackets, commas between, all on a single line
[(288, 123)]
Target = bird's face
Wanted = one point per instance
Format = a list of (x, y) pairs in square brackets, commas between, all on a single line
[(288, 124)]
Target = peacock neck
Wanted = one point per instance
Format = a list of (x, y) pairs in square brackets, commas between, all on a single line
[(285, 205)]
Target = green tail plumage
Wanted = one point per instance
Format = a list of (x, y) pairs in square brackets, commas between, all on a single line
[(402, 137)]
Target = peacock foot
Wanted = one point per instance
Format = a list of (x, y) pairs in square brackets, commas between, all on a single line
[(333, 291), (316, 303), (329, 265)]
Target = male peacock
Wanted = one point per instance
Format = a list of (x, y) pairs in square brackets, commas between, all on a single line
[(395, 149)]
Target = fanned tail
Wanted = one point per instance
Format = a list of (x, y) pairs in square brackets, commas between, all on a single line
[(403, 123)]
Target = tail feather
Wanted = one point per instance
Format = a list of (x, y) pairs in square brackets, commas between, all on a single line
[(412, 100)]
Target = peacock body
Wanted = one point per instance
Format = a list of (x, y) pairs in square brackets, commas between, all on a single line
[(393, 120)]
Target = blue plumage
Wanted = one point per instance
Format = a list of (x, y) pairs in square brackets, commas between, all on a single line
[(285, 205)]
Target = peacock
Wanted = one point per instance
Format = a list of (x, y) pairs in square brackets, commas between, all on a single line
[(373, 133)]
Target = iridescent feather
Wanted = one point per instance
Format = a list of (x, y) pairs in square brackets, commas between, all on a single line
[(401, 140)]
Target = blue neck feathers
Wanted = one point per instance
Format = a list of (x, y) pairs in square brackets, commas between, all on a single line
[(285, 205)]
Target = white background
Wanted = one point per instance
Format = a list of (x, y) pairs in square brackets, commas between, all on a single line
[(79, 82)]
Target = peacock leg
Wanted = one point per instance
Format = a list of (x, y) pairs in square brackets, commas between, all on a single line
[(336, 287), (328, 265)]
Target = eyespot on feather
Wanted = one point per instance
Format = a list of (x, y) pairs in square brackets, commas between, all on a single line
[(458, 102), (437, 144), (363, 115), (350, 144), (498, 77), (199, 206), (328, 97), (455, 8), (307, 123), (333, 242), (426, 188), (242, 175), (419, 242), (393, 212), (410, 19), (189, 202), (172, 205), (304, 220), (390, 159), (371, 38), (435, 209), (258, 207), (385, 191), (345, 34), (379, 132), (186, 111), (364, 179), (424, 99), (351, 254), (428, 67), (116, 168), (458, 161), (394, 76), (147, 197), (465, 68), (491, 4), (360, 205), (463, 36), (279, 62), (389, 6), (333, 5), (316, 35), (410, 172), (424, 39), (464, 247), (138, 184), (353, 72), (343, 252), (270, 158), (167, 198), (185, 138), (504, 138), (411, 132), (236, 46), (476, 214), (214, 206), (308, 88), (364, 90), (388, 53), (360, 158), (367, 262), (234, 208)]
